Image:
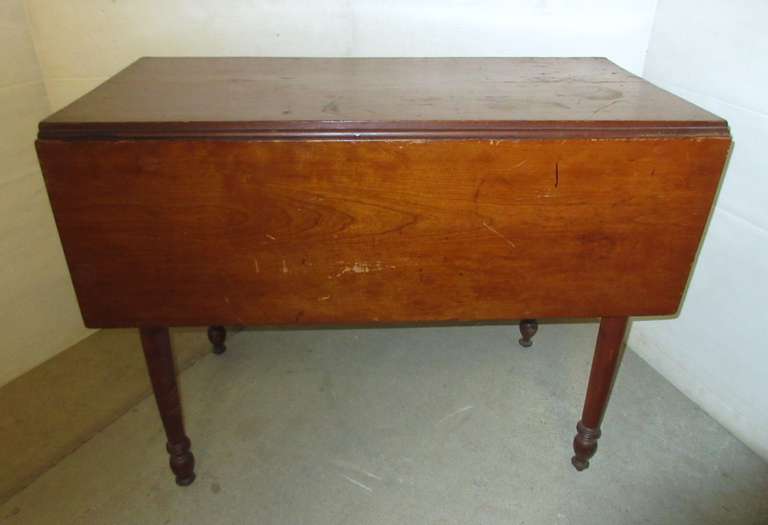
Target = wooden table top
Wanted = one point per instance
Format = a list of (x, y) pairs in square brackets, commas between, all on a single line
[(378, 98)]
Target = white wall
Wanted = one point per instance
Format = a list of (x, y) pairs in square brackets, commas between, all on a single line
[(82, 42), (38, 313), (715, 53)]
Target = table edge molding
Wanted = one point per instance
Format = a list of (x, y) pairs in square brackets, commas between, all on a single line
[(320, 130)]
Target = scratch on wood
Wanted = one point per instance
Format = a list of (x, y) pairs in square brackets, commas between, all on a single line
[(557, 174), (271, 238), (479, 187), (256, 265), (234, 310), (605, 106), (331, 107), (285, 266), (362, 267), (521, 163), (498, 234), (324, 298)]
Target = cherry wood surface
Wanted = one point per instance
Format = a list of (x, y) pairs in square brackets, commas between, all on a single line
[(605, 365), (378, 97), (156, 343), (252, 232), (242, 191)]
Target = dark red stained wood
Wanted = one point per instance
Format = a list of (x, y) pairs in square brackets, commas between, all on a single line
[(156, 343), (605, 365), (353, 98), (221, 232)]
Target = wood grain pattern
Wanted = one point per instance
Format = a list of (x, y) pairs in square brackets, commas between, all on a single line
[(353, 98), (266, 232)]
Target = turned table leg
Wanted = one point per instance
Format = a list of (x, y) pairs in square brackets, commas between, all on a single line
[(605, 364), (528, 328), (156, 343), (217, 335)]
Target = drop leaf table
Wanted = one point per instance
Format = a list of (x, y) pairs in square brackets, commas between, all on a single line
[(320, 191)]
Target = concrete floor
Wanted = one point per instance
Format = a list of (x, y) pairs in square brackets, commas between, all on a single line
[(451, 425)]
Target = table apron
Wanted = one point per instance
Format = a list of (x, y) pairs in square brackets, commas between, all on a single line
[(195, 232)]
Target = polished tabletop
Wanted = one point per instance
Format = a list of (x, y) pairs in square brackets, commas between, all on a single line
[(183, 96)]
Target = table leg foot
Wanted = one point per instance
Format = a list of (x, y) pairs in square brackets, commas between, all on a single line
[(156, 343), (584, 445), (217, 335), (528, 328), (605, 365), (182, 461)]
